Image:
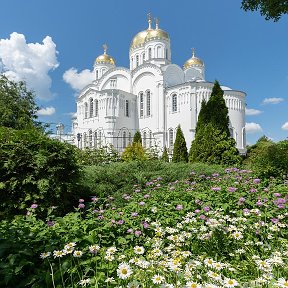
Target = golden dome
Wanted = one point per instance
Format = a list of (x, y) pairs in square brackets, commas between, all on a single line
[(156, 34), (139, 39), (193, 61), (149, 34), (105, 58)]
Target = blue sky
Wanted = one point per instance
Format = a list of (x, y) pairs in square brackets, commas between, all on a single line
[(240, 49)]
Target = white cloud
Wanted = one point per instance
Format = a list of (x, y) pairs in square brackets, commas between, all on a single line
[(253, 128), (285, 126), (251, 112), (30, 62), (48, 111), (78, 80), (272, 100)]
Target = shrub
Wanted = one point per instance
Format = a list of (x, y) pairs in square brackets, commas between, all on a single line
[(35, 169), (180, 153)]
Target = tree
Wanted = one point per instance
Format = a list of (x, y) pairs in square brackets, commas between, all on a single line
[(165, 156), (17, 106), (213, 143), (137, 137), (180, 153), (270, 9), (134, 152)]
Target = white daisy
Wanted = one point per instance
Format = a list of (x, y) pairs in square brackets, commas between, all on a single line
[(139, 250), (158, 279), (124, 271)]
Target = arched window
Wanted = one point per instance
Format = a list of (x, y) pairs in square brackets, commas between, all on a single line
[(150, 139), (150, 53), (97, 74), (166, 53), (243, 137), (137, 60), (174, 103), (148, 103), (143, 58), (132, 62), (100, 139), (171, 141), (95, 139), (159, 52), (85, 110), (141, 104), (90, 138), (91, 108), (144, 139), (124, 139), (130, 138), (96, 108)]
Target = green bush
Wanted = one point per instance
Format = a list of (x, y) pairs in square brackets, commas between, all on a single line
[(268, 159), (35, 169)]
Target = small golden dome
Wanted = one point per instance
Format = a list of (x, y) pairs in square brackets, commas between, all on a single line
[(193, 61), (105, 58)]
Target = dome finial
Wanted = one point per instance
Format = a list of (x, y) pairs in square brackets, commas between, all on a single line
[(193, 52), (105, 47), (149, 20), (157, 23)]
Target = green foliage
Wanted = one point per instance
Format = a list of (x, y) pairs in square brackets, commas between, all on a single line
[(213, 147), (134, 151), (272, 9), (101, 155), (174, 214), (36, 169), (213, 143), (17, 106), (165, 156), (268, 159), (180, 153), (137, 137)]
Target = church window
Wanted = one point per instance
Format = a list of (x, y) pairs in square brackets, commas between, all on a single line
[(141, 104), (97, 74), (124, 139), (150, 138), (171, 138), (90, 138), (96, 107), (100, 139), (148, 103), (127, 108), (174, 103), (137, 60), (90, 107), (130, 138), (158, 52), (149, 53), (143, 57), (144, 139), (166, 53), (113, 83), (85, 110)]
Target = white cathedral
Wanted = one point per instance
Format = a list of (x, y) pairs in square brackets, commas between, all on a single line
[(153, 96)]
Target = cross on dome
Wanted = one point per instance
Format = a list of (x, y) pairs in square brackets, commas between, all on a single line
[(105, 47)]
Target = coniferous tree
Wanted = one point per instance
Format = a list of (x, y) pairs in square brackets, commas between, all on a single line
[(165, 156), (180, 153), (213, 143), (137, 137)]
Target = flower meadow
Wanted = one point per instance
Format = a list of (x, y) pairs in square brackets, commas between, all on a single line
[(219, 230)]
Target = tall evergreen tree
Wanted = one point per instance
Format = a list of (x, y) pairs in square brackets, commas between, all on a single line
[(180, 153), (213, 143)]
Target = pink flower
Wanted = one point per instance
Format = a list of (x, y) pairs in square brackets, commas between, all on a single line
[(138, 233), (141, 203), (81, 206), (81, 200), (130, 230), (216, 188), (34, 206), (206, 209), (179, 207)]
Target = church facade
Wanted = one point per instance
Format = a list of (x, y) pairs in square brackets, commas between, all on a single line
[(153, 96)]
